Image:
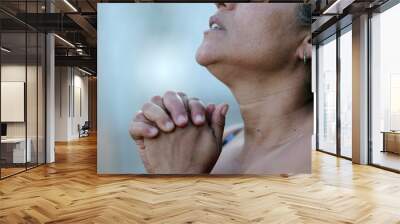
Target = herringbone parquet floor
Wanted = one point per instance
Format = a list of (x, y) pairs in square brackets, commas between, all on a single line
[(70, 191)]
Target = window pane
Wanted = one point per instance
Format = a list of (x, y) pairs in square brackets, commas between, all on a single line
[(327, 96), (31, 99), (14, 153), (346, 94), (386, 89)]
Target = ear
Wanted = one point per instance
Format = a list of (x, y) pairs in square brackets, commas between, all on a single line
[(304, 49)]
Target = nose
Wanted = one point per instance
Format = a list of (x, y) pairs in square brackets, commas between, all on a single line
[(225, 6)]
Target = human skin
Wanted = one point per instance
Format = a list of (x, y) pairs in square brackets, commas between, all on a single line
[(188, 146), (258, 53)]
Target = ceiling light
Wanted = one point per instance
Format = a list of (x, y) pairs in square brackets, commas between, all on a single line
[(337, 7), (5, 50), (84, 71), (65, 41), (70, 5)]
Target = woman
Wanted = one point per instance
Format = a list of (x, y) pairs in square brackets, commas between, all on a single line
[(261, 52)]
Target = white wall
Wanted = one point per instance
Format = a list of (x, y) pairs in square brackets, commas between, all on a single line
[(80, 83), (67, 115), (61, 103)]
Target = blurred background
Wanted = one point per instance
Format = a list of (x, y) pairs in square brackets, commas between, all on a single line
[(145, 50)]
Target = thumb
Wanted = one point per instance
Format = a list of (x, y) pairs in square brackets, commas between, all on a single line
[(218, 121)]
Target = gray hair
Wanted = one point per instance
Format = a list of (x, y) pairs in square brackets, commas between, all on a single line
[(304, 14)]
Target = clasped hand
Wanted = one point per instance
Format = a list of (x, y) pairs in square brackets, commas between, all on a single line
[(176, 134)]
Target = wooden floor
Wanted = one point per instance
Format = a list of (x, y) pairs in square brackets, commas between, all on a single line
[(5, 172), (70, 191), (8, 171)]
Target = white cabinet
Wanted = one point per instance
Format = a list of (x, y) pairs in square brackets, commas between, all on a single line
[(19, 154)]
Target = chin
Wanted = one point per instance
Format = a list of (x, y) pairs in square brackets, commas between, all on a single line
[(202, 57), (206, 54), (207, 57)]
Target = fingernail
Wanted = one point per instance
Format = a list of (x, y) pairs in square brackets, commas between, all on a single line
[(153, 131), (181, 120), (169, 125), (211, 108), (199, 118), (224, 109)]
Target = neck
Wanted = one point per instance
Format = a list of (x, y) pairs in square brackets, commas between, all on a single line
[(276, 107)]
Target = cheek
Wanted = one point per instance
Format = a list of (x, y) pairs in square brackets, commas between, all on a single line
[(251, 43), (262, 43)]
